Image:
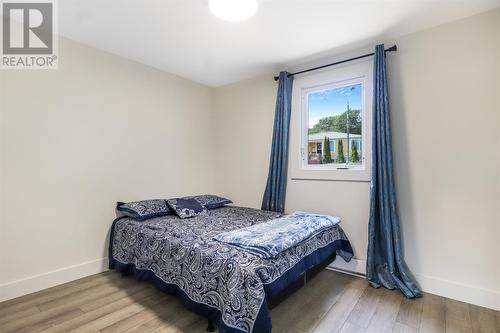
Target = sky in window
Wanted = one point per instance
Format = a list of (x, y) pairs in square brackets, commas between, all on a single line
[(332, 102)]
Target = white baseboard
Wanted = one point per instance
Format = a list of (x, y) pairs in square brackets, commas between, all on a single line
[(433, 285), (355, 266), (461, 292), (42, 281)]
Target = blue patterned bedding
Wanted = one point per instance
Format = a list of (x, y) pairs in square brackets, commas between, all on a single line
[(182, 253), (268, 239)]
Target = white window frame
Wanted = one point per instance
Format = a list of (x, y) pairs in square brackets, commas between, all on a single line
[(356, 73), (305, 92)]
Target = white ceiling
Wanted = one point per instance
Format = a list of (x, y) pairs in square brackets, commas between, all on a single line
[(182, 37)]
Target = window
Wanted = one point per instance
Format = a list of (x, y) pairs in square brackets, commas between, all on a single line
[(333, 125), (357, 144), (333, 145), (320, 109)]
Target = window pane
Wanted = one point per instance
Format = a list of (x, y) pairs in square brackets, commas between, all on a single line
[(335, 126)]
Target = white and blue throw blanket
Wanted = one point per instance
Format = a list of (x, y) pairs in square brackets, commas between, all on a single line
[(181, 255), (269, 239)]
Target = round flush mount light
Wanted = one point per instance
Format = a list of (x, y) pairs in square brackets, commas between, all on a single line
[(233, 10)]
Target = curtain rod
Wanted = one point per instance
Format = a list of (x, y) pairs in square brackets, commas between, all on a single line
[(393, 48)]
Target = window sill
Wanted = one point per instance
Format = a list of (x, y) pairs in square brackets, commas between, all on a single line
[(347, 180), (354, 174), (327, 168)]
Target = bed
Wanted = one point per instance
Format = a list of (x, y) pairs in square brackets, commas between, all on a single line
[(232, 287)]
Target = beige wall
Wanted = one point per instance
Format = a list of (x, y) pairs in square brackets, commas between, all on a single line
[(75, 140), (445, 87)]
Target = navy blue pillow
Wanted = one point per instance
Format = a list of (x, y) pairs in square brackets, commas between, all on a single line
[(211, 201), (186, 207), (146, 209)]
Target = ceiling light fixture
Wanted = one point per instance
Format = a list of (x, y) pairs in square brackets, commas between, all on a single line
[(233, 10)]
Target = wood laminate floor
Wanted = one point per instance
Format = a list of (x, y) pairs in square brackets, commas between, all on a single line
[(331, 302)]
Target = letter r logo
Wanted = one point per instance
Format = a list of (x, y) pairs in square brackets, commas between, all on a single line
[(27, 28)]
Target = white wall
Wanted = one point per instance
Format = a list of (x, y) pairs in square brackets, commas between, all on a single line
[(75, 140), (444, 87)]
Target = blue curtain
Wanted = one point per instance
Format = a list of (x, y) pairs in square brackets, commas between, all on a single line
[(274, 196), (385, 265)]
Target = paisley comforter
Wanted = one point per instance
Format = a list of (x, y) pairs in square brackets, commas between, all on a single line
[(182, 253)]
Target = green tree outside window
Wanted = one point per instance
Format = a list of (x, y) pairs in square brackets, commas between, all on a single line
[(327, 155), (354, 154), (340, 153)]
